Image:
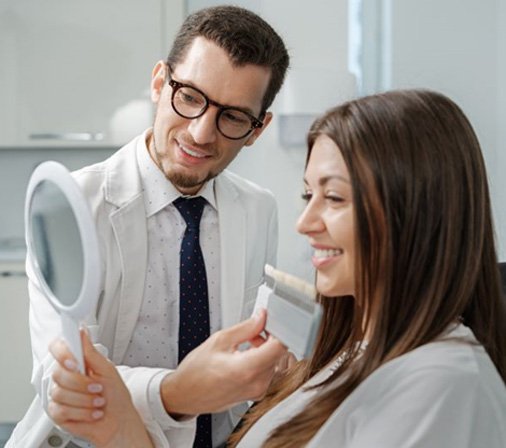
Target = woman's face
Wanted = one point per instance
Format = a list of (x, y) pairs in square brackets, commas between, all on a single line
[(327, 220)]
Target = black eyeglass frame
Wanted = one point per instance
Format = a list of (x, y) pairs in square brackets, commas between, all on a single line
[(256, 123)]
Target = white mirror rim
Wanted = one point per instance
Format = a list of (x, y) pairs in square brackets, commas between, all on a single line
[(91, 279)]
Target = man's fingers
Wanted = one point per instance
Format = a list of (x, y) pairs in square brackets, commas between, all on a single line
[(291, 360), (265, 356), (244, 331), (286, 362), (257, 341), (262, 362)]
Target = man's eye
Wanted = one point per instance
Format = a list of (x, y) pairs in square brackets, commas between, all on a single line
[(235, 117), (188, 98)]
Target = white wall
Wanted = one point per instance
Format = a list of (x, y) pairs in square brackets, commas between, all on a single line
[(459, 48), (499, 179), (316, 37)]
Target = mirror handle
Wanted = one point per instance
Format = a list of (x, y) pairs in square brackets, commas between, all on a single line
[(70, 329)]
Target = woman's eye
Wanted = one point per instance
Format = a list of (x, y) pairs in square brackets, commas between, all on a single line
[(306, 196), (334, 198)]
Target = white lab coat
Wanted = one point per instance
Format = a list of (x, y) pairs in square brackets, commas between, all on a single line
[(248, 240)]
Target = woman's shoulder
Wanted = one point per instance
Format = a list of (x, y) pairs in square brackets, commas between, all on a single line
[(445, 393), (447, 370), (455, 355)]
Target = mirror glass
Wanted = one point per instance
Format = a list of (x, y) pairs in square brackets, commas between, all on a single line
[(56, 242)]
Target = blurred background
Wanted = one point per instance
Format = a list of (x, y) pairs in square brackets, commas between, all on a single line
[(74, 80)]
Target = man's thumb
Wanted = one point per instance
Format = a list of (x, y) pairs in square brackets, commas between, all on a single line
[(247, 330)]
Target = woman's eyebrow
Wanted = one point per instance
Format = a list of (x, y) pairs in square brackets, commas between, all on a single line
[(323, 180)]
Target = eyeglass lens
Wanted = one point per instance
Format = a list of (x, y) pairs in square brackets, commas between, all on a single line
[(190, 103)]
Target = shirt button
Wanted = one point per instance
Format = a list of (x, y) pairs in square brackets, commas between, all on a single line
[(55, 441)]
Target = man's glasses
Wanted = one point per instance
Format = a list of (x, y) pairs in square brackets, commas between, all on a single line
[(189, 102)]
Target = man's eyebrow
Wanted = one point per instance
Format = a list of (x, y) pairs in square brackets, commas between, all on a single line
[(189, 83)]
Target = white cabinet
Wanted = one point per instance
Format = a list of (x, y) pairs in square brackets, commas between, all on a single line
[(16, 392), (68, 66)]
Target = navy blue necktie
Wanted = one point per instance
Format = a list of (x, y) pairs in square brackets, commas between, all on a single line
[(193, 297)]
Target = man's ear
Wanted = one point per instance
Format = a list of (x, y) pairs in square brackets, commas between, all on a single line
[(158, 77), (256, 132)]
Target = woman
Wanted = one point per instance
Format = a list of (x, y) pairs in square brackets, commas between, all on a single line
[(412, 348)]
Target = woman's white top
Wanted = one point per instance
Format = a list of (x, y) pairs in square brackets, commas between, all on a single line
[(445, 394)]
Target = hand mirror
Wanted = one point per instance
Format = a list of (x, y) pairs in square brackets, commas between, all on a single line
[(63, 248)]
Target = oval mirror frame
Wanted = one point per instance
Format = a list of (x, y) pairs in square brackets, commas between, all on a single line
[(86, 301)]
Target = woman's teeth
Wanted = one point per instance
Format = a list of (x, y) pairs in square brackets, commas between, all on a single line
[(327, 253)]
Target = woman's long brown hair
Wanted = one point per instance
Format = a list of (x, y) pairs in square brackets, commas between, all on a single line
[(426, 248)]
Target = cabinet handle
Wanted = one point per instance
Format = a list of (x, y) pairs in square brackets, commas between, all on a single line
[(12, 274), (69, 136)]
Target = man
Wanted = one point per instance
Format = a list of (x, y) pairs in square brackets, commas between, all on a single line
[(212, 97)]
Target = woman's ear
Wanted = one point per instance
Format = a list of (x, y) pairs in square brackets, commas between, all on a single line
[(158, 77)]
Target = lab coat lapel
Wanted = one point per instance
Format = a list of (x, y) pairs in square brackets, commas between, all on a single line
[(232, 221), (124, 189), (129, 225)]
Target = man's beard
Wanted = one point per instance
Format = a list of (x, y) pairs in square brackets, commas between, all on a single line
[(180, 180), (185, 181)]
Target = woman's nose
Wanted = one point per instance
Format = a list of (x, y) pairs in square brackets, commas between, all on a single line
[(310, 220)]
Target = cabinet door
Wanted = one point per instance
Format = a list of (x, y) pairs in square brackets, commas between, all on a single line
[(16, 392), (67, 67)]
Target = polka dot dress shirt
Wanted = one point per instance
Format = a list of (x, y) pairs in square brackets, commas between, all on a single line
[(155, 338)]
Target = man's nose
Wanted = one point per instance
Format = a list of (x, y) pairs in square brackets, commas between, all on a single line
[(203, 129)]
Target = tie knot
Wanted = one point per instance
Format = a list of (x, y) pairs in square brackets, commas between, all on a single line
[(191, 210)]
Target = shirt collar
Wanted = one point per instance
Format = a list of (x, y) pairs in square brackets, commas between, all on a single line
[(158, 190)]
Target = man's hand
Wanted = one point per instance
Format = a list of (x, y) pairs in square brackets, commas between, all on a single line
[(285, 363), (216, 375)]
